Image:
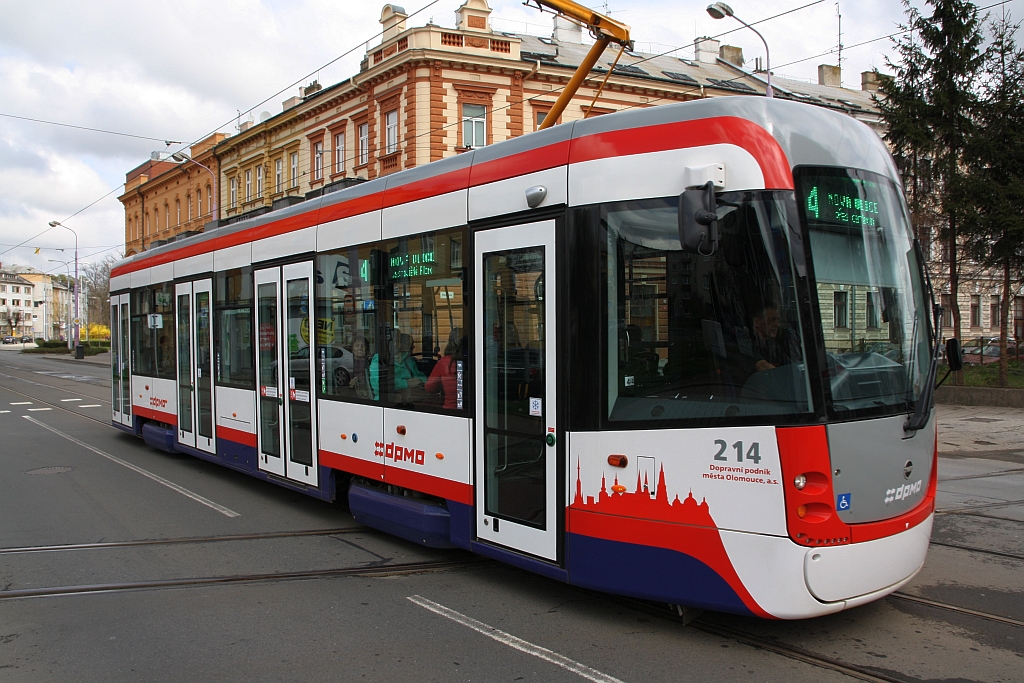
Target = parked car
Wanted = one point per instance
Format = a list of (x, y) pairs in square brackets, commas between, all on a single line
[(9, 339), (975, 355), (27, 339)]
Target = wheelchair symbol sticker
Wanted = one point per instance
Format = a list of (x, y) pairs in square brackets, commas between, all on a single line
[(843, 502)]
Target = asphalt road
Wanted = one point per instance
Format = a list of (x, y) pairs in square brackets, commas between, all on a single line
[(178, 569)]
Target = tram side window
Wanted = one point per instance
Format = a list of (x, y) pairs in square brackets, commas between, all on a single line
[(153, 337), (702, 337), (233, 352), (391, 323), (427, 355), (348, 281)]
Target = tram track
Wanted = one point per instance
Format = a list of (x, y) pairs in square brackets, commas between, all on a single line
[(899, 595), (61, 407), (372, 571), (24, 550), (34, 375), (984, 551)]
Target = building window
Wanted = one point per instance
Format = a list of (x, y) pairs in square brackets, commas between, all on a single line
[(474, 125), (278, 175), (199, 201), (15, 302), (188, 200), (177, 212), (339, 153), (364, 144), (975, 310), (295, 169), (234, 193), (209, 200), (147, 223), (947, 310), (318, 161), (248, 185), (871, 309), (167, 217), (391, 132), (259, 180), (840, 309), (15, 289), (994, 313)]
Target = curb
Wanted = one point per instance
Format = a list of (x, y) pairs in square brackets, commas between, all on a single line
[(980, 396), (66, 359)]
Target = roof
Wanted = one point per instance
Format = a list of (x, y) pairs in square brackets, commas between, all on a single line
[(669, 69)]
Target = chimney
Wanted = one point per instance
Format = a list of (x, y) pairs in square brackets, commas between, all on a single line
[(731, 54), (290, 102), (567, 31), (830, 75), (313, 87), (392, 18), (871, 80), (244, 126), (473, 16), (707, 50)]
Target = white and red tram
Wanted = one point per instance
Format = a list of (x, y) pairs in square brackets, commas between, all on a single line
[(676, 353)]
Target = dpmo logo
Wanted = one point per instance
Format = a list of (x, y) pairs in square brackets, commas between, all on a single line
[(157, 402)]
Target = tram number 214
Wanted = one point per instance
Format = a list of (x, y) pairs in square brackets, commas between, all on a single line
[(753, 452)]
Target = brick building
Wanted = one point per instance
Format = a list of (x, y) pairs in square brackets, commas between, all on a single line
[(164, 197)]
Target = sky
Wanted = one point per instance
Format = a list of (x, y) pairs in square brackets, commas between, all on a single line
[(179, 71)]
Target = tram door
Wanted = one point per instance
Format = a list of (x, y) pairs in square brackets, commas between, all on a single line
[(516, 428), (195, 376), (120, 352), (285, 408)]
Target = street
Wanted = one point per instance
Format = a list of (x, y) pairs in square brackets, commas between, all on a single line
[(119, 562)]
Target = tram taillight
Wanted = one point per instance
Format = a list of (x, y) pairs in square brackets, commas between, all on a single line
[(807, 483)]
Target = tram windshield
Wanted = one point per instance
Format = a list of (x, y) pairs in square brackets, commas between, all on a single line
[(871, 301), (703, 337)]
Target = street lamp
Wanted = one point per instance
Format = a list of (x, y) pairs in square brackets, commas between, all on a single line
[(720, 10), (67, 267), (58, 224), (181, 156)]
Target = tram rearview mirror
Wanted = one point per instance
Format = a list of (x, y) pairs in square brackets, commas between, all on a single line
[(698, 222), (954, 355)]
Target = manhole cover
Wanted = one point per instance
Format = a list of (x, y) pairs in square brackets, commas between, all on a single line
[(50, 470)]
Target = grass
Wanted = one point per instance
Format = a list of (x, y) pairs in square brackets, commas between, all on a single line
[(987, 375)]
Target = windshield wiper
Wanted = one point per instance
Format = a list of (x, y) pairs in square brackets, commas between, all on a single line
[(923, 406)]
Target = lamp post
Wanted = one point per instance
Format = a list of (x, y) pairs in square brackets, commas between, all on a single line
[(181, 156), (67, 267), (58, 224), (720, 10)]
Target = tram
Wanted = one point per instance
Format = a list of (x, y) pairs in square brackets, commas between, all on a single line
[(680, 353)]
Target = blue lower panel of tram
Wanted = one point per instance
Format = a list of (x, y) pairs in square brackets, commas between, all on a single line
[(649, 573)]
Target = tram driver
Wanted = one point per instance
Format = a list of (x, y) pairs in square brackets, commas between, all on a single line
[(774, 344)]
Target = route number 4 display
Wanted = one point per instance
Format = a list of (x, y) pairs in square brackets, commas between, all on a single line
[(753, 453)]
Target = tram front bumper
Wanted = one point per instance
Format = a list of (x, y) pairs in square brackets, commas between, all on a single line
[(861, 572)]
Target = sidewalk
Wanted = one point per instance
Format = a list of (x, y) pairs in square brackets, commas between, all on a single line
[(99, 359)]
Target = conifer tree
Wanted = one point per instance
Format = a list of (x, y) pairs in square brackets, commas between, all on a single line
[(952, 39), (995, 170)]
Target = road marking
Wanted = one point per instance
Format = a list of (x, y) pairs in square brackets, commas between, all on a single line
[(34, 410), (22, 403), (515, 643), (155, 477), (91, 405), (69, 400), (4, 411)]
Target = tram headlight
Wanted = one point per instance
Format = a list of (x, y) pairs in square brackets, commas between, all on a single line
[(800, 481)]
